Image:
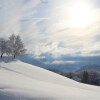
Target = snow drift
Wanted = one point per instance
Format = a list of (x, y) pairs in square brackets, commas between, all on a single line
[(21, 81)]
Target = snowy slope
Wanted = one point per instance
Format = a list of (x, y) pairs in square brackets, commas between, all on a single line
[(21, 81)]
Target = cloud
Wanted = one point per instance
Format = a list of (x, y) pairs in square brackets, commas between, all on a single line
[(62, 62), (45, 28)]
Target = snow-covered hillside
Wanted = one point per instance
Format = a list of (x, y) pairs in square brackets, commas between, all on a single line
[(21, 81)]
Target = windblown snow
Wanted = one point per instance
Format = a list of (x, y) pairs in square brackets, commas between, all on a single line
[(21, 81)]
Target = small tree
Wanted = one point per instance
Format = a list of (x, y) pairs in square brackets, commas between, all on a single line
[(2, 46), (17, 46), (85, 77)]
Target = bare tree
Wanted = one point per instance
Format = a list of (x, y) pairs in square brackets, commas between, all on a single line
[(17, 46), (2, 46), (8, 48)]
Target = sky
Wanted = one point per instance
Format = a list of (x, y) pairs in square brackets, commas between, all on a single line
[(53, 27)]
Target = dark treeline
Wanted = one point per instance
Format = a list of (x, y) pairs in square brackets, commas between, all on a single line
[(88, 77), (85, 76), (12, 46)]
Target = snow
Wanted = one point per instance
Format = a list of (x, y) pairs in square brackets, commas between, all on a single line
[(21, 81)]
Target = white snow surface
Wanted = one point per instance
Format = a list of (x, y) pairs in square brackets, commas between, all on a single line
[(21, 81)]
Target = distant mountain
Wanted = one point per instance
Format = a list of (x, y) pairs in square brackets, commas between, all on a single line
[(46, 62), (30, 59), (90, 68)]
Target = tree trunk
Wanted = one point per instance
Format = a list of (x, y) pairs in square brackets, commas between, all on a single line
[(14, 56), (1, 55)]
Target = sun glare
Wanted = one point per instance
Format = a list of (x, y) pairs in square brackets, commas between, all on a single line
[(81, 15)]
